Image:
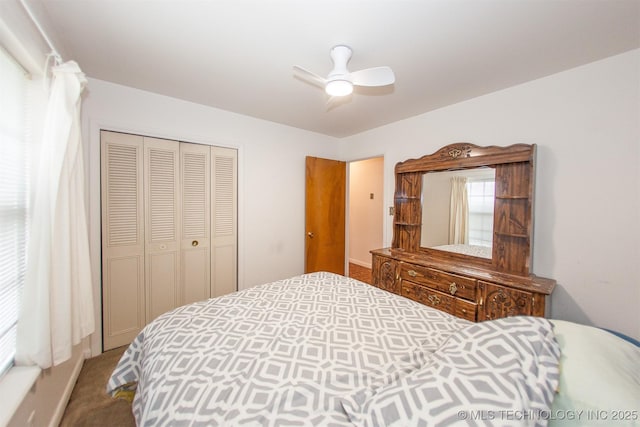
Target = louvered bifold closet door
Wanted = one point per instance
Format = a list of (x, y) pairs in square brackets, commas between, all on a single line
[(162, 244), (195, 185), (123, 306), (224, 234)]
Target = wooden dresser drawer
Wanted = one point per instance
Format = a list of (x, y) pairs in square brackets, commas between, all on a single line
[(428, 296), (451, 284), (466, 310)]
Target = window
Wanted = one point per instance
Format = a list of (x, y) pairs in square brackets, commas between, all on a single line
[(13, 201), (481, 195)]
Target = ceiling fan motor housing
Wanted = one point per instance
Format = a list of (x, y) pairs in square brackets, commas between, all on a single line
[(340, 55)]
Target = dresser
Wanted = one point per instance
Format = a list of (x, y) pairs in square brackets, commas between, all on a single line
[(435, 257), (471, 293)]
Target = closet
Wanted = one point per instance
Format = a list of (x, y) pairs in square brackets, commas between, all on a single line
[(169, 228)]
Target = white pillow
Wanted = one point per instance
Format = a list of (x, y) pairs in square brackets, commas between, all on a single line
[(599, 378)]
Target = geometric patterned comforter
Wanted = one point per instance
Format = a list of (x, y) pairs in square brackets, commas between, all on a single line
[(324, 350)]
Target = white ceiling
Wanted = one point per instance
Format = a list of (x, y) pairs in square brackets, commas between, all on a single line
[(237, 55)]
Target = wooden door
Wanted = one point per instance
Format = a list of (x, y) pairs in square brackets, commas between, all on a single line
[(123, 261), (325, 215), (162, 244), (195, 246)]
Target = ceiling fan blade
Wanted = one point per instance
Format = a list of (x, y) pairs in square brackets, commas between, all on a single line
[(309, 76), (378, 76)]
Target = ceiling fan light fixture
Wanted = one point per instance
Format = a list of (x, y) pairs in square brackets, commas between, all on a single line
[(339, 88), (340, 81)]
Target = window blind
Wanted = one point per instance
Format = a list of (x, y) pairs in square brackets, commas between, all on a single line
[(481, 201), (13, 201)]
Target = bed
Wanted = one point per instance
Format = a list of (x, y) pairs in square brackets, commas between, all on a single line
[(471, 250), (325, 350)]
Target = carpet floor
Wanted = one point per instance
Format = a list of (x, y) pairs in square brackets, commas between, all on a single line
[(89, 404)]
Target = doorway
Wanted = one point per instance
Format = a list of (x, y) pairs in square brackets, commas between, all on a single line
[(339, 238), (365, 216)]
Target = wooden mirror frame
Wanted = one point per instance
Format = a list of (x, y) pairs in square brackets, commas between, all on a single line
[(513, 206)]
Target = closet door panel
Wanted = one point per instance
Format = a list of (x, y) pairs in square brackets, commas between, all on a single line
[(224, 234), (195, 185), (195, 276), (163, 267), (126, 313), (224, 269), (162, 245), (123, 292)]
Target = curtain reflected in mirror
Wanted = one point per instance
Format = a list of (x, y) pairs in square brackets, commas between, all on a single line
[(457, 211)]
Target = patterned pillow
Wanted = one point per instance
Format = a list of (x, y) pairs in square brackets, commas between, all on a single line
[(499, 372)]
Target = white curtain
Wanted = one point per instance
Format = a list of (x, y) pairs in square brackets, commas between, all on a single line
[(459, 212), (56, 309)]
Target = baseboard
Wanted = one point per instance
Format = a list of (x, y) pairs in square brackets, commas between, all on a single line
[(64, 399), (360, 263)]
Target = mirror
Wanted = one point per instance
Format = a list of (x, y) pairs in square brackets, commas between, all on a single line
[(510, 239), (457, 212)]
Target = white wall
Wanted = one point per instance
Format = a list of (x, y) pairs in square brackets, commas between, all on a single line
[(271, 162), (46, 401), (365, 213), (586, 124), (582, 120)]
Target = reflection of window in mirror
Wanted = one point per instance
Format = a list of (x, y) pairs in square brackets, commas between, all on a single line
[(480, 193), (442, 226)]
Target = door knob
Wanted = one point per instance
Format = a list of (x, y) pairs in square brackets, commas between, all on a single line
[(310, 234), (194, 243)]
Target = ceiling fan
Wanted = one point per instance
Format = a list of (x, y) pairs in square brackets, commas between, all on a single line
[(340, 81)]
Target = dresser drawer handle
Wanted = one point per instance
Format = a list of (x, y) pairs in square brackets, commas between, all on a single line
[(412, 273), (433, 299), (453, 288)]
